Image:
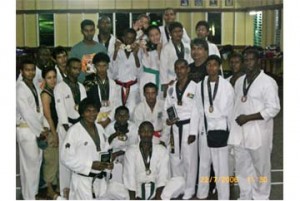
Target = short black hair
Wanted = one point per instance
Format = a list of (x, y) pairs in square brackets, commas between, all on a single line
[(103, 17), (42, 47), (58, 50), (26, 61), (214, 57), (253, 51), (47, 70), (101, 57), (200, 42), (85, 103), (181, 61), (143, 16), (71, 60), (151, 27), (202, 23), (174, 25), (87, 22), (120, 108), (146, 123), (169, 8), (150, 85), (237, 55), (129, 30)]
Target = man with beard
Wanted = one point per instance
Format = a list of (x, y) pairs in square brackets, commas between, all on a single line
[(86, 49), (146, 169)]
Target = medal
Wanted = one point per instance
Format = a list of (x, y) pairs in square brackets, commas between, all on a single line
[(122, 137), (244, 99), (211, 108), (148, 172), (38, 109), (179, 102), (76, 107)]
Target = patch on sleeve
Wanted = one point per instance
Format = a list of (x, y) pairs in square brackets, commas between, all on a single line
[(85, 143), (190, 95), (67, 145)]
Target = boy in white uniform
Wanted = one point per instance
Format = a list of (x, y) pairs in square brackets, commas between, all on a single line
[(256, 104), (146, 169), (183, 157), (60, 55), (126, 69), (30, 120), (218, 95), (151, 109), (173, 50), (169, 17), (68, 95), (120, 134)]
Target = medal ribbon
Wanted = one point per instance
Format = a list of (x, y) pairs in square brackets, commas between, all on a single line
[(148, 159), (179, 93), (246, 89), (167, 33), (104, 89), (210, 96)]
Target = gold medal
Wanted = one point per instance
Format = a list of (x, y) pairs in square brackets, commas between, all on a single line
[(179, 102), (122, 137), (76, 107), (148, 172), (244, 99), (38, 109), (211, 108)]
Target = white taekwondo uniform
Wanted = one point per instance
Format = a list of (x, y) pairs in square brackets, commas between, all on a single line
[(219, 119), (29, 126), (164, 40), (65, 108), (118, 145), (78, 153), (150, 72), (126, 73), (253, 140), (183, 159), (142, 112), (168, 57), (37, 80), (136, 179)]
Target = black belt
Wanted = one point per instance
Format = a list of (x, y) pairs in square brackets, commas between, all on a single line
[(95, 176), (180, 124), (99, 176), (73, 121)]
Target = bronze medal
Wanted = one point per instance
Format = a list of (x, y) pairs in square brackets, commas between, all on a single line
[(244, 99), (148, 172), (179, 102), (211, 108), (76, 107)]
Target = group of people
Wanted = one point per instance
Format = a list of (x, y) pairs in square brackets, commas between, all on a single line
[(147, 116)]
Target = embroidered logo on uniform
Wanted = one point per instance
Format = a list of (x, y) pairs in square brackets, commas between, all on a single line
[(68, 96), (58, 100), (159, 115), (67, 145), (190, 95), (85, 143)]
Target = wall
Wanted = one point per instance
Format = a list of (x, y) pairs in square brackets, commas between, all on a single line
[(237, 26)]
